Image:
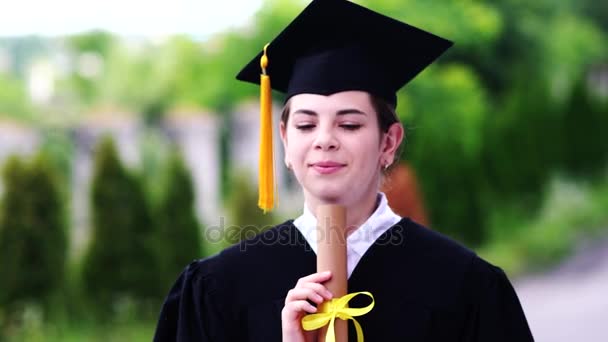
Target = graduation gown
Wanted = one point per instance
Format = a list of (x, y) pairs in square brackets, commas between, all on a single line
[(426, 288)]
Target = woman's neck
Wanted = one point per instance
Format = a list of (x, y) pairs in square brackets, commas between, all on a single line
[(356, 213)]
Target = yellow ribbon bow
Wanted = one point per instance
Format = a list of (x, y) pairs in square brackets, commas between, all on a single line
[(337, 307)]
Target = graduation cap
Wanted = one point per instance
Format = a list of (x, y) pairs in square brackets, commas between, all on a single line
[(334, 46)]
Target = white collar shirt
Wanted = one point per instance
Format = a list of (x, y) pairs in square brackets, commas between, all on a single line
[(359, 241)]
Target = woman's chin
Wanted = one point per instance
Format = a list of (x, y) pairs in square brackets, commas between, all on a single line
[(330, 195)]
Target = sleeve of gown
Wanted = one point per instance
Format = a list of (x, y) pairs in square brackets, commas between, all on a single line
[(496, 314), (193, 309)]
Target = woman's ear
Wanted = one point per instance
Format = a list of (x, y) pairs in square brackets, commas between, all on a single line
[(283, 134), (390, 143)]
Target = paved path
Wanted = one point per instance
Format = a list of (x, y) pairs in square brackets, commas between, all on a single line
[(570, 303)]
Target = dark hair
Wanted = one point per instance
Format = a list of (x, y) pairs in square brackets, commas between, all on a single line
[(386, 113)]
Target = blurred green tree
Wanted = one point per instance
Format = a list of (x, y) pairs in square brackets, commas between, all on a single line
[(139, 78), (33, 237), (122, 260), (522, 147), (179, 233), (205, 72), (155, 153), (246, 219), (13, 98), (91, 51), (96, 41), (596, 10), (585, 150), (444, 113), (110, 72), (475, 118), (58, 146)]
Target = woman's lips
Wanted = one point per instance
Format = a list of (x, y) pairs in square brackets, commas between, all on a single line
[(327, 167)]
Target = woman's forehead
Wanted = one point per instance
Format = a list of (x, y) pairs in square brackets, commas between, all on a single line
[(353, 99)]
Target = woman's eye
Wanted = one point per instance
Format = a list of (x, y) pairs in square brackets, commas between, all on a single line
[(351, 127), (305, 127)]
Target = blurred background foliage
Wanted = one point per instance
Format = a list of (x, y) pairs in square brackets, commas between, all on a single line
[(506, 133)]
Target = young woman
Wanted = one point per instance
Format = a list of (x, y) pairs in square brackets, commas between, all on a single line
[(340, 66)]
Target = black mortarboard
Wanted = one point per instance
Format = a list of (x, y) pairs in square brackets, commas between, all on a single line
[(337, 45), (334, 46)]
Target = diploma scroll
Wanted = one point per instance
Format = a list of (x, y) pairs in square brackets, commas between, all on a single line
[(331, 256)]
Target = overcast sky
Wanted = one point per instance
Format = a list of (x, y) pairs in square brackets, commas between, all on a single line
[(126, 17)]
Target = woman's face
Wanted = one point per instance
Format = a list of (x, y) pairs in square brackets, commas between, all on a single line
[(334, 146)]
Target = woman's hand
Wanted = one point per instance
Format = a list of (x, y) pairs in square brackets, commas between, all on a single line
[(297, 305)]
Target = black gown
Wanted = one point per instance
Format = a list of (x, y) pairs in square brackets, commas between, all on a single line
[(426, 288)]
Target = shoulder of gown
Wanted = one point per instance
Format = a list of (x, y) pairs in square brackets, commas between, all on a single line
[(188, 311), (495, 313), (485, 297), (204, 300)]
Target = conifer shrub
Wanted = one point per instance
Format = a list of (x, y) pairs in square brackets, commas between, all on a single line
[(179, 234), (122, 263), (33, 237)]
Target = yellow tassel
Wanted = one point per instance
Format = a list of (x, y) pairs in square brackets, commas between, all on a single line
[(266, 197)]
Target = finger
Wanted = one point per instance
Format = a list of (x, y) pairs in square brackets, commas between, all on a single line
[(319, 289), (318, 277), (300, 306), (303, 293), (295, 310)]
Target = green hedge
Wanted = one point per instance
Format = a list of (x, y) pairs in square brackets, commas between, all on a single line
[(179, 234), (122, 262), (33, 237)]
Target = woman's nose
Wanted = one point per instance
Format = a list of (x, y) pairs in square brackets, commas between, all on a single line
[(326, 140)]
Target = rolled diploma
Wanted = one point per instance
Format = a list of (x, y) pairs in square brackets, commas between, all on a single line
[(331, 256)]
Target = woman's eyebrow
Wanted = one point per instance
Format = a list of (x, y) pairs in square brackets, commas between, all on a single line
[(305, 111), (340, 112), (350, 111)]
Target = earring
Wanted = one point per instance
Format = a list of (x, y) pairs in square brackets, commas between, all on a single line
[(386, 165), (288, 165)]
